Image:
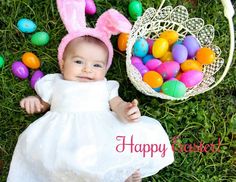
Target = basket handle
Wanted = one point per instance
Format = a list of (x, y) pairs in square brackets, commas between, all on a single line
[(229, 13)]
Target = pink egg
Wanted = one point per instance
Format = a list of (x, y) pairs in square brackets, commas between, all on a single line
[(90, 7), (152, 64), (35, 77), (168, 69), (135, 59), (150, 43), (191, 78)]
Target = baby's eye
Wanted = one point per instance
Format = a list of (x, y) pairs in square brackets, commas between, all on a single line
[(79, 62), (98, 65)]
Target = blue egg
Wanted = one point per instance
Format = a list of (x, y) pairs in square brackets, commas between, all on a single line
[(192, 45), (179, 53), (140, 48), (158, 89), (147, 58), (26, 25)]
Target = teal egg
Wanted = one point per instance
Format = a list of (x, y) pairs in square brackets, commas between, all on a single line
[(40, 38), (135, 9), (140, 48), (26, 26), (174, 88), (1, 61)]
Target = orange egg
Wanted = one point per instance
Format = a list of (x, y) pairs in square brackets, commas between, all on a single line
[(170, 35), (122, 41), (191, 65), (205, 55), (160, 47), (167, 57), (153, 79), (31, 60)]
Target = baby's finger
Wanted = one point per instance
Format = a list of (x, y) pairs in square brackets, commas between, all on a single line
[(22, 103), (27, 106), (38, 105), (132, 111), (135, 102), (134, 116)]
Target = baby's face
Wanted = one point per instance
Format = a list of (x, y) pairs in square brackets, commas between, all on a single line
[(84, 61)]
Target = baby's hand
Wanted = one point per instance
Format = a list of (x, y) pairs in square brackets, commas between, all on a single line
[(33, 104), (132, 112)]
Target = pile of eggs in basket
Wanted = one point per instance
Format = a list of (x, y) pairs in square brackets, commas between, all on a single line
[(170, 65)]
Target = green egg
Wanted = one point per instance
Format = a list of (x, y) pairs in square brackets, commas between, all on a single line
[(1, 62), (174, 88), (135, 9), (40, 38)]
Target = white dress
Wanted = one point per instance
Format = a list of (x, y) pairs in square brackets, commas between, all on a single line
[(81, 140)]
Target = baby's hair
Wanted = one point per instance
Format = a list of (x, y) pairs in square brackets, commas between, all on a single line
[(86, 38)]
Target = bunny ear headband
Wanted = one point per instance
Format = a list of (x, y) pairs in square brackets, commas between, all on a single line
[(72, 13)]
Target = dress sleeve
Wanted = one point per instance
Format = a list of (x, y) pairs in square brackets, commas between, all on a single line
[(113, 87), (44, 87)]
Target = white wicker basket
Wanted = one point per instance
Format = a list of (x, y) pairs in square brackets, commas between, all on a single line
[(151, 24)]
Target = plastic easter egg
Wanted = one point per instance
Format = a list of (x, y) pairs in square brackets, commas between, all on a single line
[(170, 35), (122, 41), (135, 60), (191, 78), (31, 60), (153, 64), (179, 53), (20, 70), (147, 58), (174, 88), (26, 25), (157, 89), (178, 76), (167, 57), (141, 68), (2, 62), (205, 55), (192, 45), (191, 65), (135, 9), (168, 69), (153, 79), (40, 38), (35, 77), (160, 47), (150, 43), (90, 7), (140, 48)]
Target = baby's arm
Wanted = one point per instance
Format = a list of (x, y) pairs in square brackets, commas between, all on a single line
[(34, 104), (128, 111)]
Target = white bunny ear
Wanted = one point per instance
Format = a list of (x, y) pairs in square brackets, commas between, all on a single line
[(72, 13)]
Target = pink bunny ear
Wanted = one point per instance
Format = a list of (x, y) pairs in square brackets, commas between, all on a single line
[(72, 13), (112, 22)]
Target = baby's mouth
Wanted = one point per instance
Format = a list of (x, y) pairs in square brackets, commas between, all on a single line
[(84, 78)]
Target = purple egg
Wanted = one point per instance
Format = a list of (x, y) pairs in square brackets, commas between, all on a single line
[(20, 70), (90, 7), (192, 45), (179, 53), (152, 64), (191, 78), (35, 77), (168, 69), (141, 68), (147, 58)]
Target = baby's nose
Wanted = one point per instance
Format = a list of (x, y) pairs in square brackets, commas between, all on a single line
[(87, 68)]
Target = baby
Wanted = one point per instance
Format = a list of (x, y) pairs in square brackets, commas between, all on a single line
[(76, 140), (81, 66)]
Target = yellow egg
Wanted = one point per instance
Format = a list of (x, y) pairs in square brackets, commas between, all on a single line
[(167, 57), (160, 47), (170, 35), (191, 65)]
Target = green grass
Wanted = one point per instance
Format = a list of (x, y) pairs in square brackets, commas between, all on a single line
[(202, 118)]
